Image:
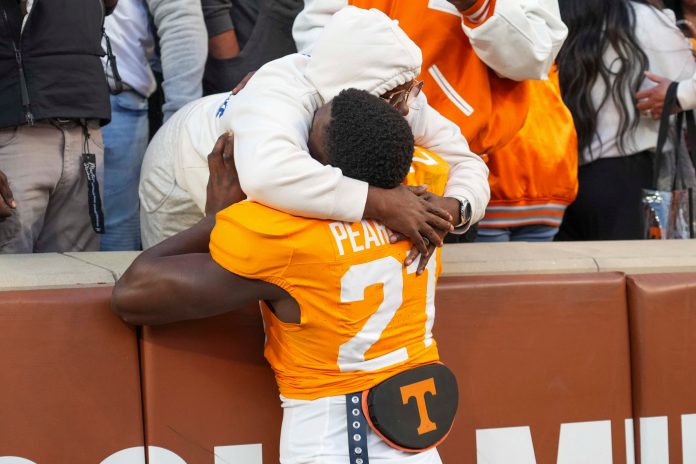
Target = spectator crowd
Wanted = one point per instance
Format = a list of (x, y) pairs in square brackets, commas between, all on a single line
[(547, 112)]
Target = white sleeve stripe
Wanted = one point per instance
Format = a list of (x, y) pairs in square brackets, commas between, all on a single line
[(482, 13), (449, 91)]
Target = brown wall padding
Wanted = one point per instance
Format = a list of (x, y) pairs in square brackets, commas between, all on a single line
[(206, 383), (663, 336), (533, 351), (536, 351), (70, 377)]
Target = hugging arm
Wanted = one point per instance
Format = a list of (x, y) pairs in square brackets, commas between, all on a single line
[(178, 279), (276, 169), (468, 177)]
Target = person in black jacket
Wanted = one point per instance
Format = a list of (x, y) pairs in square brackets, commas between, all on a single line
[(53, 99), (243, 35)]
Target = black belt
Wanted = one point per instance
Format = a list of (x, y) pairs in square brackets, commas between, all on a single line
[(357, 429)]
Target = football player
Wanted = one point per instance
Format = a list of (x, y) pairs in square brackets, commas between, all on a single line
[(342, 313)]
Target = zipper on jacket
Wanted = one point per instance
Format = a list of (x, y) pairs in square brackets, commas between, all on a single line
[(26, 103), (28, 116), (5, 21)]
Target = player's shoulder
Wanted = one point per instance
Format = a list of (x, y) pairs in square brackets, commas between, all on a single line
[(254, 240), (252, 225), (265, 221), (428, 160), (428, 168)]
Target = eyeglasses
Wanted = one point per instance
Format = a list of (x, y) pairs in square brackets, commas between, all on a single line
[(402, 97), (687, 28)]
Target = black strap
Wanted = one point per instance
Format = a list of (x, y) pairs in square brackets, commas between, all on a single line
[(89, 163), (117, 86), (670, 101), (357, 429), (691, 136), (691, 146)]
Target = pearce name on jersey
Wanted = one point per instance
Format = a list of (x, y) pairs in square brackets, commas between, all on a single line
[(360, 236)]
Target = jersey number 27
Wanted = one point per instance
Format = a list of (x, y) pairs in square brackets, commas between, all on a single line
[(389, 272)]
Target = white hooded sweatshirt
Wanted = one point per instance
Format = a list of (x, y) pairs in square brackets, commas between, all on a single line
[(272, 116)]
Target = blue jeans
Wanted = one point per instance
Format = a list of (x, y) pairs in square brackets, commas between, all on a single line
[(531, 233), (125, 141)]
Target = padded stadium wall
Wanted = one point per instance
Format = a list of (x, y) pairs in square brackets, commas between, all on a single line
[(564, 353)]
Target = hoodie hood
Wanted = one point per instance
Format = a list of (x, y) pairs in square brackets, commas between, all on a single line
[(362, 49)]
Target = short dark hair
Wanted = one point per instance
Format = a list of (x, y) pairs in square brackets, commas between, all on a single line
[(368, 139)]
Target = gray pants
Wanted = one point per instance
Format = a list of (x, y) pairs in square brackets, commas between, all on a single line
[(43, 164), (168, 200)]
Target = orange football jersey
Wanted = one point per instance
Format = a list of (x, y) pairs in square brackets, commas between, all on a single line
[(428, 169), (364, 316)]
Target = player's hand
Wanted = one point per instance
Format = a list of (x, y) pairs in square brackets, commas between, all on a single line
[(414, 253), (223, 185), (405, 210), (452, 206), (7, 202), (651, 101), (238, 88)]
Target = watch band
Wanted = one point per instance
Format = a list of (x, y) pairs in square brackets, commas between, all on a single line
[(464, 212)]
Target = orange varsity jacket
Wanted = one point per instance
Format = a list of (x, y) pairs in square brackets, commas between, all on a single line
[(534, 177), (533, 174), (488, 109)]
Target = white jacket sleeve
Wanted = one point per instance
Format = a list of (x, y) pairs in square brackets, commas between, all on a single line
[(275, 168), (311, 20), (686, 94), (468, 177), (519, 39)]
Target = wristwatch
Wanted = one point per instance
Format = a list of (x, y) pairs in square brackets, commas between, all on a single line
[(464, 212)]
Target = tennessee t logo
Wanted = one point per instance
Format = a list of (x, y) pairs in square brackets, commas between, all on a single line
[(418, 390)]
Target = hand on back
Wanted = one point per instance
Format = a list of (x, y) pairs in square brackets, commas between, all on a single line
[(223, 184)]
